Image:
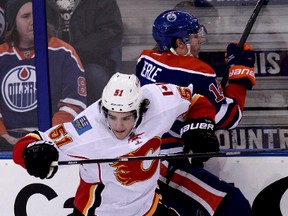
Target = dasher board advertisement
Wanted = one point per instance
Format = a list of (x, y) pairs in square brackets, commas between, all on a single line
[(23, 195)]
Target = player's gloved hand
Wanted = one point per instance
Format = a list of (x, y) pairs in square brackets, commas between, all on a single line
[(38, 157), (234, 56), (241, 65), (199, 136)]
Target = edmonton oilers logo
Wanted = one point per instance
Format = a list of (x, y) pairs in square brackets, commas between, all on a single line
[(171, 17), (19, 89)]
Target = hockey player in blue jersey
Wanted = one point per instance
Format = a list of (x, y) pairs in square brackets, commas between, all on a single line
[(18, 98), (179, 37)]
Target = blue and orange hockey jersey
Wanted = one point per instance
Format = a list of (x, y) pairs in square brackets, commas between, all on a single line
[(18, 98), (166, 67)]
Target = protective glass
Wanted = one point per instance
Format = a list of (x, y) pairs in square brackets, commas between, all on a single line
[(202, 34)]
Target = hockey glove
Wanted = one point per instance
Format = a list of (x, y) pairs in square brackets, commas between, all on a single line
[(241, 65), (234, 56), (38, 157), (199, 137)]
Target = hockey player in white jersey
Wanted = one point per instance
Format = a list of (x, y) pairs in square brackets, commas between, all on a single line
[(128, 121)]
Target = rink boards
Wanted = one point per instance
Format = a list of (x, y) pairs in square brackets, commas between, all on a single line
[(23, 195)]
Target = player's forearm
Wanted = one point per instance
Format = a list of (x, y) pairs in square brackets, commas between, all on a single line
[(2, 127), (202, 108), (238, 92)]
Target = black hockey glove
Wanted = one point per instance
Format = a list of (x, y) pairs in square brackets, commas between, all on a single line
[(234, 56), (38, 157), (199, 137)]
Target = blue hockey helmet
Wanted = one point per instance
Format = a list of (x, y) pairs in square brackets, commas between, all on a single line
[(173, 24)]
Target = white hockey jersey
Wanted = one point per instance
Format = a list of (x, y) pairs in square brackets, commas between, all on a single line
[(129, 187)]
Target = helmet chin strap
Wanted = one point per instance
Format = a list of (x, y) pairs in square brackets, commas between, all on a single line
[(188, 51), (173, 51)]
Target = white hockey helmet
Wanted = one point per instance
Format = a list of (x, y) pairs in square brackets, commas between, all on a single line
[(122, 93)]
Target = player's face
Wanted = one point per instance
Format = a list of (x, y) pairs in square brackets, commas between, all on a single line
[(121, 123), (196, 42), (24, 25)]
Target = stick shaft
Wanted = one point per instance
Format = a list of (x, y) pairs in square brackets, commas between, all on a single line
[(236, 153), (244, 36), (250, 23)]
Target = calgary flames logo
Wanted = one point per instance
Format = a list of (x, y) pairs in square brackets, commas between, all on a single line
[(128, 173)]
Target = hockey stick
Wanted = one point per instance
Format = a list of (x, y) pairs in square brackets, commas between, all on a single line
[(247, 152), (244, 36)]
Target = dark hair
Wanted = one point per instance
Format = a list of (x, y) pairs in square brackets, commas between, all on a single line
[(173, 45), (143, 108)]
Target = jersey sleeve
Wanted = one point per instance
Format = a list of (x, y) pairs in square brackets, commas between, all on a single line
[(238, 92), (179, 103), (19, 147), (201, 108), (69, 93), (2, 126), (62, 135), (230, 113)]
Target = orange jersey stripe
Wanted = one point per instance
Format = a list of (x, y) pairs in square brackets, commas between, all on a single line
[(154, 205)]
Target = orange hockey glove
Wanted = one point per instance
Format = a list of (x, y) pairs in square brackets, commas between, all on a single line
[(242, 75), (241, 65)]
